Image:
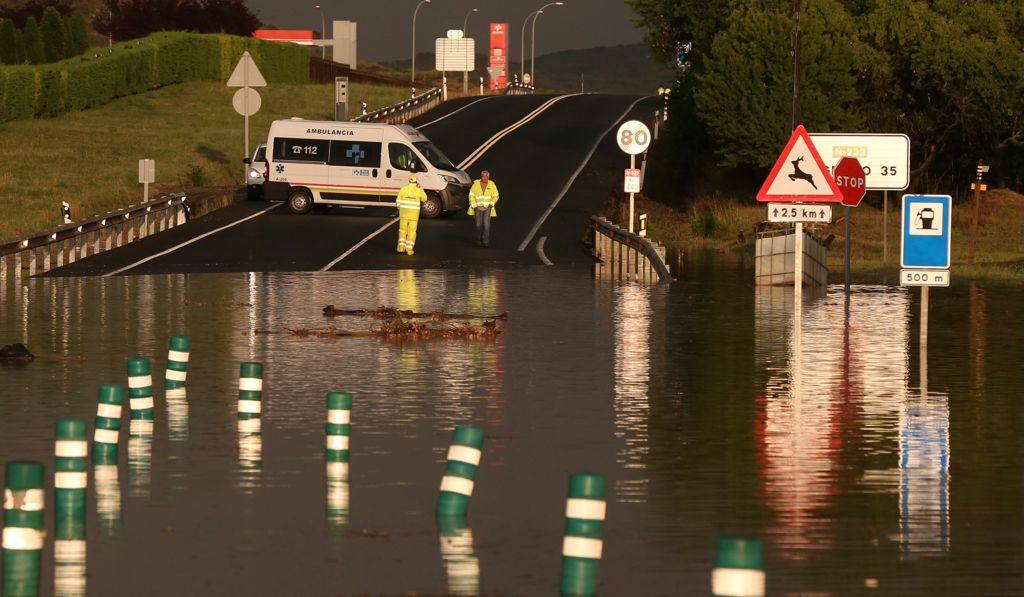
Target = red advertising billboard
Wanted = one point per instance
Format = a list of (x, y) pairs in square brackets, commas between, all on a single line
[(498, 70)]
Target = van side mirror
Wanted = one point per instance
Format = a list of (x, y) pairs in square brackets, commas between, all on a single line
[(247, 161)]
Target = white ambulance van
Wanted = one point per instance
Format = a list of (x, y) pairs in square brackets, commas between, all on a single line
[(358, 164)]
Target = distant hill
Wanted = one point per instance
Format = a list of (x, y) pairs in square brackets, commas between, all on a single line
[(609, 69)]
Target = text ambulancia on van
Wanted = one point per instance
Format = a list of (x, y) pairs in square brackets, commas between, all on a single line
[(359, 164)]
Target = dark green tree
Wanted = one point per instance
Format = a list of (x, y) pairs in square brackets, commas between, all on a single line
[(55, 43), (35, 48), (8, 42), (78, 34), (745, 94), (19, 47)]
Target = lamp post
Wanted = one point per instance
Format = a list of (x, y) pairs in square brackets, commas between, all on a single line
[(465, 74), (414, 13), (323, 31), (522, 39), (533, 40)]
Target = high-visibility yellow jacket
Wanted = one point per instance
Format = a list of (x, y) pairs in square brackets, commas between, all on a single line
[(483, 198), (409, 199)]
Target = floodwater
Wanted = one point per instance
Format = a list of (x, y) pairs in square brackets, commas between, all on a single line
[(866, 463)]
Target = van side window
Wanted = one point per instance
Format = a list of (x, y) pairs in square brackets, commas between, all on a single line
[(402, 157), (301, 150), (355, 153)]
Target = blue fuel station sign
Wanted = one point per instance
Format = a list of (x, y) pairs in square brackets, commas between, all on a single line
[(927, 221)]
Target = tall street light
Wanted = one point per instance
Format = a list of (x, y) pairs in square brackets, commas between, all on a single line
[(323, 31), (533, 40), (465, 74), (414, 13), (522, 38)]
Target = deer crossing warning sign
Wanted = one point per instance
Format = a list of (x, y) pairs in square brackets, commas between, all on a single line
[(799, 174)]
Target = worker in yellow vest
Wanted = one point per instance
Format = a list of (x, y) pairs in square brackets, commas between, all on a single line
[(408, 201), (483, 196)]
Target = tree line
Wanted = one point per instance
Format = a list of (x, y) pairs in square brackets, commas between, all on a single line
[(55, 38), (948, 74), (129, 19)]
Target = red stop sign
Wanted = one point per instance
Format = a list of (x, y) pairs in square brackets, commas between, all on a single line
[(851, 180)]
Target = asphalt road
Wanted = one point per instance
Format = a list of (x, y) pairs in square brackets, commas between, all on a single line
[(533, 166)]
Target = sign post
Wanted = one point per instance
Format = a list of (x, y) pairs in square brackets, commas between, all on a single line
[(851, 180), (147, 176), (925, 246), (633, 138), (799, 175), (246, 100)]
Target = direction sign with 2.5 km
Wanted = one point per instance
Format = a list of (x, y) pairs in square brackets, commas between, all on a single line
[(884, 156), (795, 212)]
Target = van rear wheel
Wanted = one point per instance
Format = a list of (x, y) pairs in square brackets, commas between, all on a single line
[(432, 207), (300, 201)]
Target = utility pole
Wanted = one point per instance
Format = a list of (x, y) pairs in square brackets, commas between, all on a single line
[(797, 117), (977, 210)]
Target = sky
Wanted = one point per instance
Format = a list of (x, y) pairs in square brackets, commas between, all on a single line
[(385, 26)]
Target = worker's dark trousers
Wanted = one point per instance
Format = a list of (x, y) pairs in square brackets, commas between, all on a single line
[(483, 224)]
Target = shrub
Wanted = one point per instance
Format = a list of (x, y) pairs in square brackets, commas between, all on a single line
[(78, 34), (139, 66), (35, 50), (55, 43), (8, 42), (196, 176), (706, 224)]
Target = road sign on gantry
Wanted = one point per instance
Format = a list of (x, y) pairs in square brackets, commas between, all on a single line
[(851, 180), (926, 231), (799, 174)]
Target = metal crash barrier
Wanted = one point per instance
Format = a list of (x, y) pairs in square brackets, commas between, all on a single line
[(403, 111), (626, 255)]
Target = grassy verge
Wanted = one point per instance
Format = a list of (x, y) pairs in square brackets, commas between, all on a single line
[(90, 158), (727, 226)]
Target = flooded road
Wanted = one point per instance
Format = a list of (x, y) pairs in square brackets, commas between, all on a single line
[(858, 461)]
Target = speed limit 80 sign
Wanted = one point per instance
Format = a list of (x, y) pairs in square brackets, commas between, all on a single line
[(634, 137)]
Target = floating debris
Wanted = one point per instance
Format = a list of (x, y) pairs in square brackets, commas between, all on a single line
[(392, 313), (16, 352), (399, 329)]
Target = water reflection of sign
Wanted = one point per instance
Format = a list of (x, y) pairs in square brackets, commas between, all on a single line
[(924, 476), (926, 231)]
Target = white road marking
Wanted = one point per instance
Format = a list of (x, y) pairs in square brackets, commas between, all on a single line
[(572, 179), (190, 241), (540, 251), (479, 151), (423, 126), (357, 245)]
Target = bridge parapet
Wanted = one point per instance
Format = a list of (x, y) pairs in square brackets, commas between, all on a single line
[(625, 255)]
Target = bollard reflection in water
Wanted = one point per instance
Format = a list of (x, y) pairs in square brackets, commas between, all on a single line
[(337, 493), (632, 378), (461, 564), (250, 453), (177, 413), (108, 498), (69, 559), (140, 456)]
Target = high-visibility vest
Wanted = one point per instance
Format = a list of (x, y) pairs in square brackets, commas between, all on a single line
[(409, 199), (482, 198)]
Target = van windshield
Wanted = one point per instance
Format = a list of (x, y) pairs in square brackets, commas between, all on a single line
[(434, 155), (261, 154)]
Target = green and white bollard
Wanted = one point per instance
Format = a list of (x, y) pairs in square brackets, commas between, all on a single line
[(582, 544), (108, 425), (250, 391), (460, 471), (140, 389), (177, 362), (739, 568), (337, 493), (71, 473), (24, 501), (339, 409)]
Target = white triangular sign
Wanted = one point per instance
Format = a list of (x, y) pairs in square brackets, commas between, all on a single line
[(799, 174), (246, 74)]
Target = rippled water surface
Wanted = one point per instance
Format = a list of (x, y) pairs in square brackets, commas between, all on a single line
[(858, 456)]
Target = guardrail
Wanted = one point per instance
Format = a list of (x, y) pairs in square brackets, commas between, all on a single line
[(41, 252), (625, 255), (403, 111), (517, 88)]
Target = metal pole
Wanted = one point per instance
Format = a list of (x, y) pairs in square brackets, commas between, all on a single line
[(323, 35), (796, 65), (414, 13), (885, 226), (846, 252), (977, 214), (465, 74), (245, 104), (923, 348), (924, 316), (522, 46), (632, 166), (798, 265), (533, 47)]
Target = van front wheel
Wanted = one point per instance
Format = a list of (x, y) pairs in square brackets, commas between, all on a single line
[(432, 207), (300, 201)]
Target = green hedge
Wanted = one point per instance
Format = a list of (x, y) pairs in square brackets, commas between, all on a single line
[(138, 66)]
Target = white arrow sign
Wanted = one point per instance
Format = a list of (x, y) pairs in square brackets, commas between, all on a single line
[(246, 73), (795, 212)]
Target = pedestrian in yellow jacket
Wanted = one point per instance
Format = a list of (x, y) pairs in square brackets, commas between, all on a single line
[(483, 196), (408, 202)]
